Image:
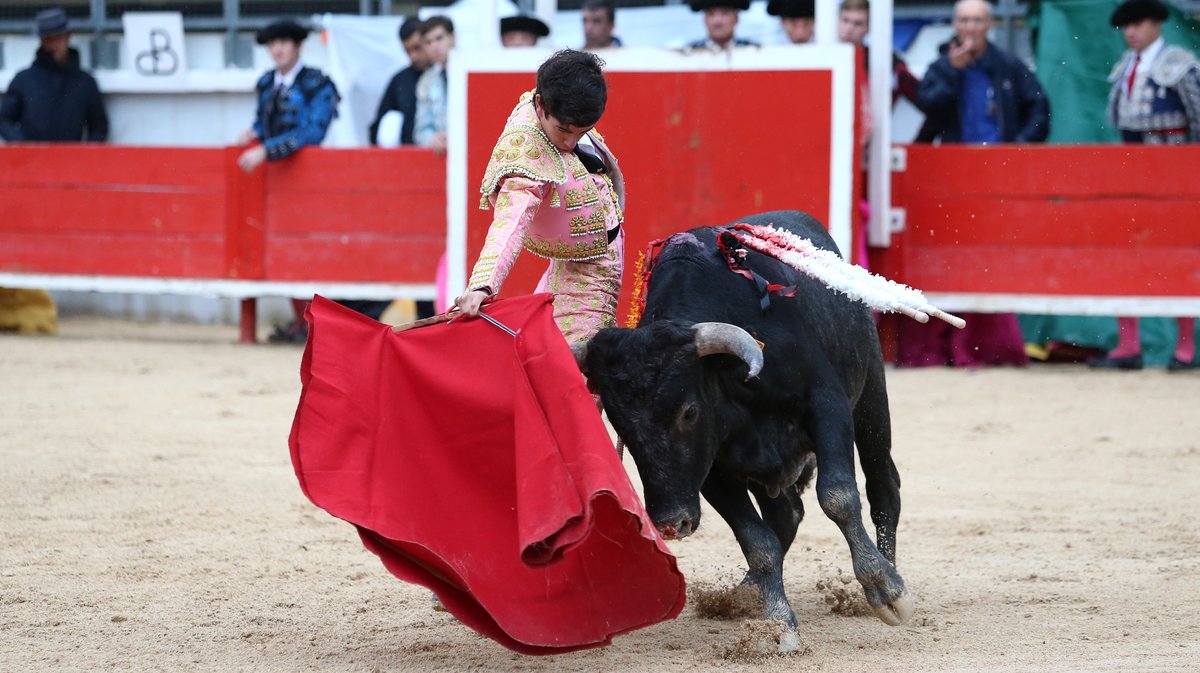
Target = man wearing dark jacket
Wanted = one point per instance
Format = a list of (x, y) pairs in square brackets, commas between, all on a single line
[(975, 93), (53, 100), (401, 93)]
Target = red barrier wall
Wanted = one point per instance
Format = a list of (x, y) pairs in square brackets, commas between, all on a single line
[(323, 215), (1084, 221), (696, 149), (1101, 221), (77, 209)]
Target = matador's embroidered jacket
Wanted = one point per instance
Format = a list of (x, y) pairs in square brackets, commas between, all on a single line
[(544, 200), (1165, 104), (294, 116)]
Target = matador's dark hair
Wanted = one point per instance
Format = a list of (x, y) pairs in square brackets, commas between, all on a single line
[(571, 84)]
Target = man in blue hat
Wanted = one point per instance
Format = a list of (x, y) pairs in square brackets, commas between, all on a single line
[(720, 20), (53, 100)]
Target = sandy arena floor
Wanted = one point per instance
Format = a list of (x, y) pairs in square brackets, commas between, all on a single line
[(150, 520)]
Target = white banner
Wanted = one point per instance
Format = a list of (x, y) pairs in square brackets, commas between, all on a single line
[(154, 49)]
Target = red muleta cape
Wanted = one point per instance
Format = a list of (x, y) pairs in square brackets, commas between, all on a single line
[(474, 463)]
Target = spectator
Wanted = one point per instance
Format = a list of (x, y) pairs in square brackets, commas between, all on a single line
[(853, 26), (53, 100), (430, 128), (796, 17), (572, 216), (599, 20), (854, 23), (854, 20), (720, 20), (400, 99), (522, 30), (296, 103), (401, 94), (978, 94), (1154, 100)]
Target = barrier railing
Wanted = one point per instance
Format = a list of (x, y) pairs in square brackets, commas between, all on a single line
[(1087, 229), (354, 224), (1101, 230)]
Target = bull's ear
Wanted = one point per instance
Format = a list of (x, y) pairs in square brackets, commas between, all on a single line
[(722, 337), (580, 353)]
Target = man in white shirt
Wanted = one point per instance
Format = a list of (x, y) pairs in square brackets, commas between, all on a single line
[(430, 130)]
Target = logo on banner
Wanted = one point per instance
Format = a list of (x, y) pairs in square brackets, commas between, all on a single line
[(154, 46)]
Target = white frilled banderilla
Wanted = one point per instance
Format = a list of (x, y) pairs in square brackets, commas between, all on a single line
[(825, 266)]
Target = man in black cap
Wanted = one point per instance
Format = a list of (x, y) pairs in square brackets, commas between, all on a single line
[(295, 103), (1154, 100), (53, 100), (720, 19), (295, 106), (522, 30), (796, 17)]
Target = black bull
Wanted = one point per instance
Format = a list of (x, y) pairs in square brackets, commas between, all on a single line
[(676, 389)]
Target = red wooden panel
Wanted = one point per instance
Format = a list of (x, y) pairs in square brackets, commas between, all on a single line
[(1081, 270), (1064, 171), (696, 149), (1119, 222), (370, 214), (1072, 220), (106, 255), (245, 221), (403, 170), (115, 210), (356, 259), (123, 167)]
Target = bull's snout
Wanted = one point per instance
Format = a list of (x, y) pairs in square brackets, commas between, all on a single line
[(676, 530)]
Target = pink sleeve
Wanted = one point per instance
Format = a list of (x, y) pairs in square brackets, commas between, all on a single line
[(515, 205)]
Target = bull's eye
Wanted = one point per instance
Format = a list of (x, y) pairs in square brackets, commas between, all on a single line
[(690, 413)]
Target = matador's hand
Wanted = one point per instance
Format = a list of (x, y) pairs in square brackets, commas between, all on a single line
[(470, 301)]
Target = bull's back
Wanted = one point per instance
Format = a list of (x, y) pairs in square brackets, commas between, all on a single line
[(840, 327), (797, 222)]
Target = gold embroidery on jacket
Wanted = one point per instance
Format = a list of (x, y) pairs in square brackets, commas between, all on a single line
[(577, 251), (574, 198)]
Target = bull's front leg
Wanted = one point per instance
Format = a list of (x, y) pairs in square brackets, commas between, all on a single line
[(837, 493), (761, 547)]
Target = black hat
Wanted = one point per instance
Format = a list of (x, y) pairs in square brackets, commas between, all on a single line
[(1132, 11), (523, 23), (791, 9), (701, 5), (286, 29), (52, 22)]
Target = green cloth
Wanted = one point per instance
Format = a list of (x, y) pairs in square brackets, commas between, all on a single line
[(1076, 49), (1157, 334)]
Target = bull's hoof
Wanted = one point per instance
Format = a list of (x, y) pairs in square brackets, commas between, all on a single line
[(896, 612), (764, 638), (789, 641)]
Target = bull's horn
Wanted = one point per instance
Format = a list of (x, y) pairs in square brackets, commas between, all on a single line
[(580, 352), (721, 337)]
